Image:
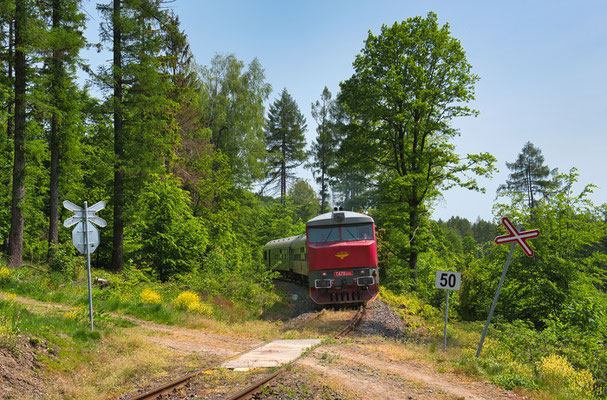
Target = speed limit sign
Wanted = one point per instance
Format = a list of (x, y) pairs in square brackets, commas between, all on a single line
[(448, 280)]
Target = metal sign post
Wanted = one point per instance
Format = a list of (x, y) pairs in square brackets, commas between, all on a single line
[(85, 236), (88, 262), (446, 319), (449, 280), (515, 237)]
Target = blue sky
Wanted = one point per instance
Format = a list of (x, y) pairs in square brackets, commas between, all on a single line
[(542, 68)]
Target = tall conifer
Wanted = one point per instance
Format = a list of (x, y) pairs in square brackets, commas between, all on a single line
[(15, 247), (323, 149), (285, 141), (62, 46), (145, 134), (529, 176)]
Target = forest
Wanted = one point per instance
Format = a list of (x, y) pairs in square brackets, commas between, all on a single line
[(198, 166)]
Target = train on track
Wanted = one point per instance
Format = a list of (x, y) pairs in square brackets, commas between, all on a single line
[(336, 258)]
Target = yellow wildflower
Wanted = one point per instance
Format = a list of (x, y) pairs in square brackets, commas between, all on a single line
[(148, 296)]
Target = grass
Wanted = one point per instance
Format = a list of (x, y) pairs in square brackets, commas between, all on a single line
[(506, 358), (78, 358), (111, 360)]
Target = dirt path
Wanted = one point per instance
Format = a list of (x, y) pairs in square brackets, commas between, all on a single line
[(391, 379), (178, 339)]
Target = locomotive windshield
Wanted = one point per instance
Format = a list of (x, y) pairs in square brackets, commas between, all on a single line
[(357, 232), (323, 234), (344, 233)]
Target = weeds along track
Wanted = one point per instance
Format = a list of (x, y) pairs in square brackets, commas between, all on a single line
[(186, 386)]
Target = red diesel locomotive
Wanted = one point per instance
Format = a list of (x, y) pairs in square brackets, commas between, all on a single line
[(337, 258)]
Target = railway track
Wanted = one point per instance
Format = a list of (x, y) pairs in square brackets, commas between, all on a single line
[(166, 390)]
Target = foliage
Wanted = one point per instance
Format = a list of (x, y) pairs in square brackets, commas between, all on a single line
[(409, 83), (232, 102), (166, 234), (190, 301), (483, 231), (304, 200), (558, 373), (566, 261), (63, 260), (538, 357)]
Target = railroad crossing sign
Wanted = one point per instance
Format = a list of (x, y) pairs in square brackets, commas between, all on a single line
[(84, 220), (85, 235), (79, 214), (516, 236)]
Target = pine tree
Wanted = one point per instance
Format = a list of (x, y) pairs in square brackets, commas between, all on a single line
[(145, 133), (529, 175), (62, 46), (285, 141), (323, 149), (6, 115), (21, 43)]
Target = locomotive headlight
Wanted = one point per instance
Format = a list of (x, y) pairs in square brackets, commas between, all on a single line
[(324, 274)]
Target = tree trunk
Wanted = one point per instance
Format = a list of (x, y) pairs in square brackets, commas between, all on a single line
[(283, 170), (118, 236), (53, 228), (413, 252), (15, 248), (10, 61), (323, 191)]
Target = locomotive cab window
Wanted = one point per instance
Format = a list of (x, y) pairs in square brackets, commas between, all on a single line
[(357, 232), (323, 234)]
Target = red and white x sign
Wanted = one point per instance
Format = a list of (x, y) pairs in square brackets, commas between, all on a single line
[(516, 236)]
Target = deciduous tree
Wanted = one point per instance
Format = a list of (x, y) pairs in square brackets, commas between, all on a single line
[(304, 200), (232, 101), (409, 83)]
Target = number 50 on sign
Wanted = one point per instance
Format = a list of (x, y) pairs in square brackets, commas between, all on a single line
[(450, 280)]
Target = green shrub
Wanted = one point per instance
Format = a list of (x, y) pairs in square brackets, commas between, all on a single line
[(166, 234), (63, 261)]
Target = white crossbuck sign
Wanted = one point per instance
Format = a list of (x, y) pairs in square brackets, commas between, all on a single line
[(84, 225)]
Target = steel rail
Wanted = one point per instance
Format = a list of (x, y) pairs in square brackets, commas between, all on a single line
[(255, 387), (179, 382)]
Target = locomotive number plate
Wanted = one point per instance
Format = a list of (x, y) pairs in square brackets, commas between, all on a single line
[(343, 273)]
